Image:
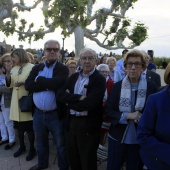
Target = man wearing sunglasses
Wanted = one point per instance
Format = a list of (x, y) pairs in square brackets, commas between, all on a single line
[(44, 81)]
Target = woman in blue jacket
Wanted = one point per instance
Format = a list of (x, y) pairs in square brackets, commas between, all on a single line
[(154, 129)]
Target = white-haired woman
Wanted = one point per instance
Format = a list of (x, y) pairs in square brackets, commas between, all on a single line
[(114, 74)]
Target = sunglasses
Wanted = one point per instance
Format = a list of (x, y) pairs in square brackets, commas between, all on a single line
[(52, 49)]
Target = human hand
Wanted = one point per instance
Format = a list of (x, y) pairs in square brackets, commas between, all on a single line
[(68, 91), (134, 116), (82, 98), (8, 68), (18, 84)]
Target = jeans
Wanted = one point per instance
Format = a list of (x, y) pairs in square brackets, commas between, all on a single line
[(44, 123)]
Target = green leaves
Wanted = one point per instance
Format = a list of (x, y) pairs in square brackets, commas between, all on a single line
[(139, 33), (62, 12), (70, 14), (8, 28)]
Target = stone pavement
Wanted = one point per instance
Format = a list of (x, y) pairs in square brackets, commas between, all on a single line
[(161, 73), (8, 162)]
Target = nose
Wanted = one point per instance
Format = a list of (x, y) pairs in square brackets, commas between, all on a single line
[(87, 60), (133, 66), (52, 50)]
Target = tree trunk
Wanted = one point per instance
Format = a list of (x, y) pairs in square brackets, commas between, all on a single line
[(79, 40)]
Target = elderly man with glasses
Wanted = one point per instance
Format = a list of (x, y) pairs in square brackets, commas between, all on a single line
[(84, 96)]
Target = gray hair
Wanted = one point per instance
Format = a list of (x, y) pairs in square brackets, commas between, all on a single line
[(55, 41), (105, 66), (88, 49), (145, 53)]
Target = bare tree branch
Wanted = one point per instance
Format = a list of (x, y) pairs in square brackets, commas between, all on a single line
[(89, 8), (119, 46), (22, 7)]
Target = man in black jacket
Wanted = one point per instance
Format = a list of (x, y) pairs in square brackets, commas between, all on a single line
[(151, 75), (84, 97), (44, 81)]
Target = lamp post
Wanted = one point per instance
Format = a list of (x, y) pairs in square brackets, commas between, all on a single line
[(63, 42)]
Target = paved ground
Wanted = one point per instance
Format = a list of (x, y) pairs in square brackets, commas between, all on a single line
[(161, 73), (8, 162)]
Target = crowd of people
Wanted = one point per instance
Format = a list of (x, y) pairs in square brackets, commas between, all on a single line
[(72, 98)]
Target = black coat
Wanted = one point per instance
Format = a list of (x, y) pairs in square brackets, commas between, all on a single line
[(93, 102), (154, 77)]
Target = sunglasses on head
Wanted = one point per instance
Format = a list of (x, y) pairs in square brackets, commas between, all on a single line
[(52, 49)]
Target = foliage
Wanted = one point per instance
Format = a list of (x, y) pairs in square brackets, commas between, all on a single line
[(158, 61), (63, 11), (72, 14), (139, 33)]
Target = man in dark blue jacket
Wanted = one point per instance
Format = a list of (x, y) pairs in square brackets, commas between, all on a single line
[(44, 81)]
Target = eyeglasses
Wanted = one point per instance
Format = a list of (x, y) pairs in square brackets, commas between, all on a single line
[(104, 72), (72, 67), (7, 61), (136, 64), (52, 49), (87, 58), (20, 70)]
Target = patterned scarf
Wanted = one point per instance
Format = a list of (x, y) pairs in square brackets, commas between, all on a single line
[(125, 96)]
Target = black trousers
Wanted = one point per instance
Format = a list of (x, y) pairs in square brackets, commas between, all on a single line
[(81, 147)]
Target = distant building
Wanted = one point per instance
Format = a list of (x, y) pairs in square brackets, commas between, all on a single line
[(5, 48)]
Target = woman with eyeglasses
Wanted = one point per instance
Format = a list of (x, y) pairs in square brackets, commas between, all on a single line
[(72, 66), (22, 120), (124, 109)]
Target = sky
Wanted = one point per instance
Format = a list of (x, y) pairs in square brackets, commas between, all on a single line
[(153, 13)]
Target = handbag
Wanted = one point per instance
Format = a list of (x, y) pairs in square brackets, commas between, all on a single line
[(26, 103)]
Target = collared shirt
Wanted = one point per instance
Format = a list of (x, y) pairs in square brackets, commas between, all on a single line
[(80, 88), (45, 100)]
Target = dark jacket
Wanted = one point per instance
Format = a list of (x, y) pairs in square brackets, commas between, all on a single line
[(154, 77), (112, 109), (59, 78), (92, 103), (154, 131)]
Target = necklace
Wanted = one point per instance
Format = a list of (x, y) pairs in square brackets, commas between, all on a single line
[(20, 69)]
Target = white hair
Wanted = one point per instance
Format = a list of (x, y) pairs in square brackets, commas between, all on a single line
[(100, 66)]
